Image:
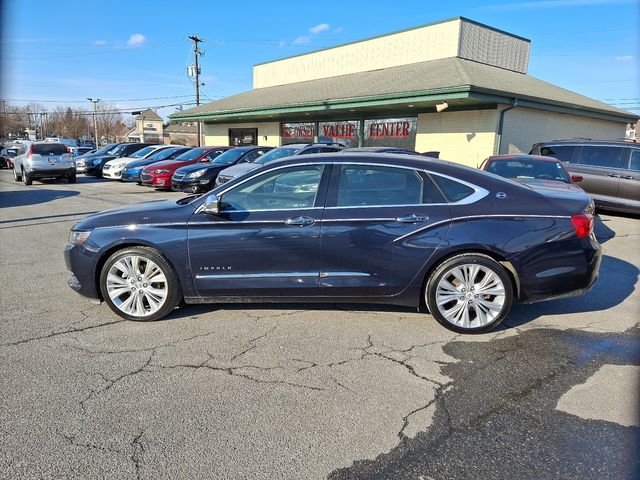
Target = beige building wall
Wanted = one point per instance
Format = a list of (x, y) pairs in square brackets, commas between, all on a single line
[(218, 134), (525, 126), (152, 127), (488, 46), (463, 137)]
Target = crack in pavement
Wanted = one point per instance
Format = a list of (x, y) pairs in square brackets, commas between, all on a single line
[(64, 332), (138, 452)]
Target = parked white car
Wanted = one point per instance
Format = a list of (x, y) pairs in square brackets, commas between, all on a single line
[(113, 168)]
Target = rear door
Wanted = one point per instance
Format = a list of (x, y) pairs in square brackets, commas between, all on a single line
[(629, 186), (601, 169), (370, 208)]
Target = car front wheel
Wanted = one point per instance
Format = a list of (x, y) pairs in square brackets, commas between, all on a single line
[(469, 293), (139, 284)]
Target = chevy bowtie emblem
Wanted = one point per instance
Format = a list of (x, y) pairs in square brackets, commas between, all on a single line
[(501, 195)]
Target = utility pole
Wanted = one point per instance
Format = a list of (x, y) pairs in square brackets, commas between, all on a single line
[(95, 120), (197, 52)]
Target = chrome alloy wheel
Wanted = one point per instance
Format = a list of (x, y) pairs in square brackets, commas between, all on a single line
[(137, 286), (470, 295)]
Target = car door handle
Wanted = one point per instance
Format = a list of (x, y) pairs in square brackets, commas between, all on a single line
[(628, 177), (299, 221), (413, 218), (613, 175)]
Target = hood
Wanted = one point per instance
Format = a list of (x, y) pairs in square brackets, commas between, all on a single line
[(171, 164), (142, 163), (155, 211), (200, 166), (121, 161), (239, 169)]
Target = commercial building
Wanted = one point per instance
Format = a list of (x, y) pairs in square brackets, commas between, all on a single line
[(456, 86), (148, 128)]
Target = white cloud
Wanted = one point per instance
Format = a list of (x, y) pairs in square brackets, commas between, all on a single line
[(136, 40), (624, 58), (321, 27), (338, 30), (303, 40), (100, 42)]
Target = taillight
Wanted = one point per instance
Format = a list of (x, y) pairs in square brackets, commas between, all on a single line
[(583, 224), (30, 152)]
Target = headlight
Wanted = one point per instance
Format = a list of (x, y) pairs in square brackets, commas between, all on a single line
[(95, 162), (78, 237), (160, 172), (197, 174)]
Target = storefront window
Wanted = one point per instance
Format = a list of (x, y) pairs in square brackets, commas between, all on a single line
[(298, 133), (344, 132), (390, 132)]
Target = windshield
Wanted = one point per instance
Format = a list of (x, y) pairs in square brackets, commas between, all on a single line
[(117, 149), (529, 170), (275, 154), (192, 154), (143, 151), (162, 154), (229, 157), (104, 150)]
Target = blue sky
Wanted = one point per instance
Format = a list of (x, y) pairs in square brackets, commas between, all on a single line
[(135, 53)]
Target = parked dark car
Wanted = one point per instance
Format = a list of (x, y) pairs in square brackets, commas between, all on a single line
[(133, 170), (82, 160), (394, 229), (159, 174), (5, 160), (200, 177), (277, 153), (94, 165), (610, 170), (79, 151), (537, 171)]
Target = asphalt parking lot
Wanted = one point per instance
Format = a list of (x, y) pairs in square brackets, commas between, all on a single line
[(304, 391)]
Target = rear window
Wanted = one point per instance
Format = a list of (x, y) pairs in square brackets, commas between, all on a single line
[(452, 190), (564, 153), (529, 170), (49, 149)]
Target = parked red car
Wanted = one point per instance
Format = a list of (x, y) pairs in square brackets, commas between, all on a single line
[(158, 175)]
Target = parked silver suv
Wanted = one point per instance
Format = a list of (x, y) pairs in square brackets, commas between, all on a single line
[(43, 160), (610, 169)]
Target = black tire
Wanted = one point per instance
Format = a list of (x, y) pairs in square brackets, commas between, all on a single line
[(486, 264), (26, 178), (174, 289), (16, 177), (71, 178)]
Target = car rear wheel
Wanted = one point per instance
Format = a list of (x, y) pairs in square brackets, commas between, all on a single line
[(26, 178), (139, 284), (72, 178), (469, 293), (16, 177)]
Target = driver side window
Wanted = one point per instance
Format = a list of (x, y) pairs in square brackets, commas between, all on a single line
[(283, 189)]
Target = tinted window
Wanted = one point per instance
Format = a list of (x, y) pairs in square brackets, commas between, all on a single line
[(529, 169), (366, 185), (229, 157), (277, 153), (212, 155), (49, 149), (634, 162), (283, 189), (452, 190), (192, 154), (564, 153), (162, 154), (251, 156), (142, 152), (609, 157)]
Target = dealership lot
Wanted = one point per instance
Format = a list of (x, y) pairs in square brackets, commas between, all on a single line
[(304, 391)]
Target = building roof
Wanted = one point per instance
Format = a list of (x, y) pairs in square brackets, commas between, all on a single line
[(148, 114), (181, 128), (436, 80)]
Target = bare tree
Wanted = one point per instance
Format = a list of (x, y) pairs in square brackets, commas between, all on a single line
[(110, 122), (68, 123)]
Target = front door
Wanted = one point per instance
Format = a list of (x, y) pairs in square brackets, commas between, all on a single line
[(601, 169), (629, 186), (266, 239), (240, 137), (370, 209)]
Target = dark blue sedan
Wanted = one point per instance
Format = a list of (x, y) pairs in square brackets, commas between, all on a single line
[(131, 172), (378, 228)]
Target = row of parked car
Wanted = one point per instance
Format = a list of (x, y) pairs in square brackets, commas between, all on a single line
[(607, 171)]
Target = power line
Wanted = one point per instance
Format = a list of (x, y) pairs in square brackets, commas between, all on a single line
[(108, 100)]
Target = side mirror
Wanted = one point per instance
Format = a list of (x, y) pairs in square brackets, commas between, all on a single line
[(211, 205), (576, 178)]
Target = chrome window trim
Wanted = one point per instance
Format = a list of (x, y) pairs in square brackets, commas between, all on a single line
[(363, 219), (343, 274), (479, 194)]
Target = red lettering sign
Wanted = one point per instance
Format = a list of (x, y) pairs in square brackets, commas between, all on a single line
[(389, 130)]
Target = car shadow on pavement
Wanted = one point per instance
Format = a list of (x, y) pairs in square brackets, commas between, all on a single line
[(23, 198), (602, 231), (616, 282)]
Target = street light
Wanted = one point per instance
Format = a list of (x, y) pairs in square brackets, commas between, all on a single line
[(95, 121)]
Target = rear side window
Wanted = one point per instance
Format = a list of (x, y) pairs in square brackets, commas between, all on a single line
[(452, 190), (564, 153), (369, 185), (608, 157), (634, 161), (49, 149)]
